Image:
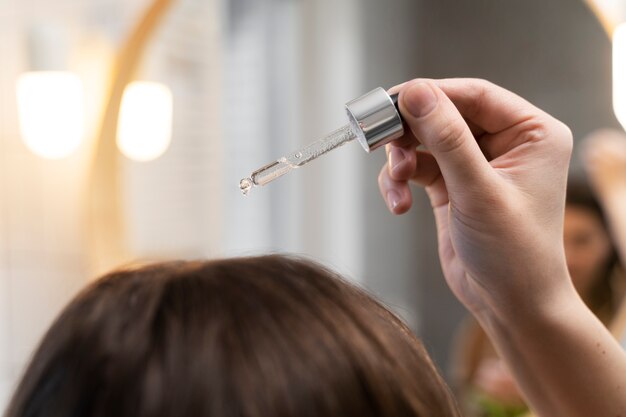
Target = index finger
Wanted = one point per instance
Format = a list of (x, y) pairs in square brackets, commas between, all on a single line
[(488, 106), (477, 100)]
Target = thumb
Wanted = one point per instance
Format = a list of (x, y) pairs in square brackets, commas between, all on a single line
[(438, 125)]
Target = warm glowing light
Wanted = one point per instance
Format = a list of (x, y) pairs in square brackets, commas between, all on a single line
[(609, 12), (619, 73), (145, 126), (51, 112)]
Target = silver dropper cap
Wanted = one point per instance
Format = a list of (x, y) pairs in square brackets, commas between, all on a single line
[(375, 119)]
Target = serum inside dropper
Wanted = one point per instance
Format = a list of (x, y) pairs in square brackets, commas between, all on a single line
[(297, 159), (374, 121)]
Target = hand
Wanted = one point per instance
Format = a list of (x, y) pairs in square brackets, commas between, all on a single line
[(604, 158), (495, 170)]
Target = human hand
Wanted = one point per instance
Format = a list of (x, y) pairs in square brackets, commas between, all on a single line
[(604, 159), (495, 169)]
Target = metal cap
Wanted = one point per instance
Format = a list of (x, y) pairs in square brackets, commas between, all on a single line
[(375, 119)]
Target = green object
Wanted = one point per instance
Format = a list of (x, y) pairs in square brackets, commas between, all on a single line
[(494, 408)]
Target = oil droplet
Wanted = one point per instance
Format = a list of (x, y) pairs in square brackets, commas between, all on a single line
[(245, 185), (298, 155)]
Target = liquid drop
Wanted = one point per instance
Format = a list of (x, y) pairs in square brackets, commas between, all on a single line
[(245, 185)]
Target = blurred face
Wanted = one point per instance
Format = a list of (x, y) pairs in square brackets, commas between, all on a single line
[(587, 247)]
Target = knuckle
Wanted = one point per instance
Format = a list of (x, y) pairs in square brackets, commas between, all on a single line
[(555, 132), (480, 98), (381, 178), (534, 132), (450, 137), (482, 84), (565, 138)]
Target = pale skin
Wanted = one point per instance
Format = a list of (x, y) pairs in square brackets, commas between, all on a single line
[(495, 169), (587, 251)]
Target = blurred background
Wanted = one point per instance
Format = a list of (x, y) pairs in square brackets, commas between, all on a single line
[(126, 125)]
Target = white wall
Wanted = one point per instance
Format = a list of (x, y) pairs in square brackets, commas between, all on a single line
[(289, 68), (261, 79), (42, 240), (173, 207)]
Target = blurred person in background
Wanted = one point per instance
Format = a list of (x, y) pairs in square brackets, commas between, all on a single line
[(483, 381), (604, 160)]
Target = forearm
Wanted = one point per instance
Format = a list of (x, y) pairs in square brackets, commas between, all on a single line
[(564, 360)]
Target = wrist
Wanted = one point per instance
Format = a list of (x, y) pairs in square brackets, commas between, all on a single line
[(536, 309)]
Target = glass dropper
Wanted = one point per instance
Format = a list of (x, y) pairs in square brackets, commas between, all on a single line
[(297, 159), (374, 121)]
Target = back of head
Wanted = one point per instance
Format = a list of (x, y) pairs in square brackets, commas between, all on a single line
[(267, 336)]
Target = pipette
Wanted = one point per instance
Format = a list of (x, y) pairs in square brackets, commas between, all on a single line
[(374, 121)]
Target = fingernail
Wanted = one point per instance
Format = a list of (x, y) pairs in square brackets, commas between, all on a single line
[(397, 88), (393, 199), (420, 99), (396, 156)]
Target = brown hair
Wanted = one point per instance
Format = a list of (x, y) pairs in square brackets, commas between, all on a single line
[(605, 296), (265, 336)]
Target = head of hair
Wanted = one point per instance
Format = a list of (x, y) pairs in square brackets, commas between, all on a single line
[(251, 337), (602, 300), (580, 194)]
